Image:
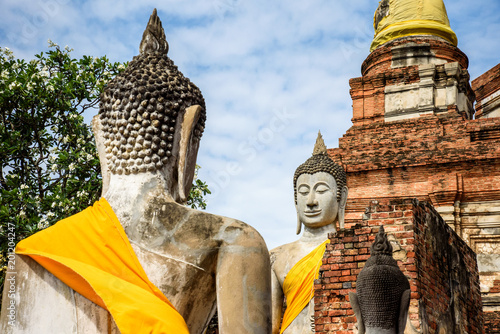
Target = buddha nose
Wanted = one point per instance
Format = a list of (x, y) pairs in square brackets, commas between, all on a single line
[(311, 200)]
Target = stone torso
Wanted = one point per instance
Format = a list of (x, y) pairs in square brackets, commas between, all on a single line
[(197, 259), (283, 258), (178, 250)]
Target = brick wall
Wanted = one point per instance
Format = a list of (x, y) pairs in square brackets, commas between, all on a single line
[(441, 268), (492, 318), (492, 322), (487, 83), (448, 275), (421, 141), (484, 86)]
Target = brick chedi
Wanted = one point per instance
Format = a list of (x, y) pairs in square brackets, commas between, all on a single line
[(416, 134)]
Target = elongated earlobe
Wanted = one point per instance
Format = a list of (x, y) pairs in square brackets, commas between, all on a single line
[(101, 151), (403, 311), (353, 299), (187, 152), (299, 224), (342, 205)]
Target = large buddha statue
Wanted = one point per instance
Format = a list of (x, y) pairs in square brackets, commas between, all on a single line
[(139, 261), (320, 198)]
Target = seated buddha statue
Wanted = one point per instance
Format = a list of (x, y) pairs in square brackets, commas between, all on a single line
[(139, 261), (320, 199)]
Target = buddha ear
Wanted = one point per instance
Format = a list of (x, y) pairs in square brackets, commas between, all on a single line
[(188, 150), (403, 311), (101, 151), (299, 223), (342, 205), (353, 299)]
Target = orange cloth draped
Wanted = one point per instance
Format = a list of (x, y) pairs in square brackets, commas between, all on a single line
[(298, 286), (91, 253)]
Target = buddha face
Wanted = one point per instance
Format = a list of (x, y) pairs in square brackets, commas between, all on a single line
[(317, 203)]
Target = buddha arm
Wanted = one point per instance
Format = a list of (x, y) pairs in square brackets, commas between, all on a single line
[(243, 282), (277, 302)]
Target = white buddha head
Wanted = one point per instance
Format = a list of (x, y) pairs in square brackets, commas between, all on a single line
[(320, 190)]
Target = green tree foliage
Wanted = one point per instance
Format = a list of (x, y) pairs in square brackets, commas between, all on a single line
[(199, 189), (49, 164)]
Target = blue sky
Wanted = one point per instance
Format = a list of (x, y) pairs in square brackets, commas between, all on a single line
[(273, 73)]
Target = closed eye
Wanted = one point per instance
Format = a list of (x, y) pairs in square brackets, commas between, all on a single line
[(322, 189), (303, 190)]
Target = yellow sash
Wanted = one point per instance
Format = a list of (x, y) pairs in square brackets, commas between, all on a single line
[(91, 253), (298, 286)]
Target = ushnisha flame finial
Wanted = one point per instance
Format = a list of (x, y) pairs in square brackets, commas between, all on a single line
[(153, 38), (319, 147), (381, 245)]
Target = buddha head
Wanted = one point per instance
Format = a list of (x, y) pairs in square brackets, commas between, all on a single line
[(152, 117), (382, 293), (320, 190)]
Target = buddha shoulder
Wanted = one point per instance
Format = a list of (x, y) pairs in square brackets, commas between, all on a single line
[(286, 253), (203, 225)]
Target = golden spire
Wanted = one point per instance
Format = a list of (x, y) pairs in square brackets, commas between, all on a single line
[(400, 18), (319, 147)]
